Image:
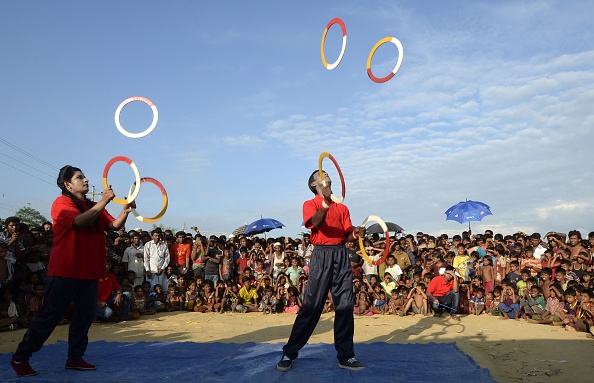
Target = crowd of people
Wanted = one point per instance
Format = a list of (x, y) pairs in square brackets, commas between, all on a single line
[(544, 280)]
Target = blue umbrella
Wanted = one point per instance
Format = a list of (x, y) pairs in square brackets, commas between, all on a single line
[(262, 225), (468, 211)]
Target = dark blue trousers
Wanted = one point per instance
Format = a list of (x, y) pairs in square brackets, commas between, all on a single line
[(59, 293), (329, 269)]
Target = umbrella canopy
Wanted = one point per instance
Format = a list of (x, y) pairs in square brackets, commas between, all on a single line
[(468, 211), (376, 228), (240, 230), (262, 225)]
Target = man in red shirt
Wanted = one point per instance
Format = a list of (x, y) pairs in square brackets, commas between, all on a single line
[(180, 253), (442, 293), (110, 296), (330, 269)]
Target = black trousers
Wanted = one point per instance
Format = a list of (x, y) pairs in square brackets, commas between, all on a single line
[(59, 293), (329, 269)]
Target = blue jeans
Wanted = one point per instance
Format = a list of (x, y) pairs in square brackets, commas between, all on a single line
[(107, 311), (509, 310), (450, 300), (60, 291)]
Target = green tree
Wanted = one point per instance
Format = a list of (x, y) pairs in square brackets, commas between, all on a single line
[(162, 227), (30, 216)]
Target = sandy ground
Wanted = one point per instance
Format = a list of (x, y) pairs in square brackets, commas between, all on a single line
[(513, 351)]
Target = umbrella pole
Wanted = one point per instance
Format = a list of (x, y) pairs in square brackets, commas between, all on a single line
[(469, 230)]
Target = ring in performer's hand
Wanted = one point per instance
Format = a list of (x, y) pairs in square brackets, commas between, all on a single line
[(165, 200), (323, 177), (398, 44), (381, 222), (132, 195), (149, 129)]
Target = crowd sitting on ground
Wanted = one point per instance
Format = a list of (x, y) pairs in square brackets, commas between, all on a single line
[(543, 280)]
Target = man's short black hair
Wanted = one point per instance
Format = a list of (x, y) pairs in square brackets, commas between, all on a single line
[(310, 181), (11, 219)]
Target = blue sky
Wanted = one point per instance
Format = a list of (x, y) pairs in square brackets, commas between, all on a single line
[(494, 102)]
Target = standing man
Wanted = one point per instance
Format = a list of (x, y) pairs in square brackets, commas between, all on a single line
[(330, 269), (134, 259), (156, 259), (181, 252)]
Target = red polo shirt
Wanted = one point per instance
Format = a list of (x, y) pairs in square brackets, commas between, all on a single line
[(77, 252), (107, 285), (438, 287), (334, 229)]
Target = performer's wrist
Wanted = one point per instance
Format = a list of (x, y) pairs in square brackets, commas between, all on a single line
[(355, 236), (325, 205)]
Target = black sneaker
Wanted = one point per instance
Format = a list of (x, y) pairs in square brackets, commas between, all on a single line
[(284, 364), (351, 364)]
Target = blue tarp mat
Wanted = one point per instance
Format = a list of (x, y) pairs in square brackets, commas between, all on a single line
[(250, 362)]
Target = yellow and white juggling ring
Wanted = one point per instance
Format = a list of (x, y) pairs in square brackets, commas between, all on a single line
[(133, 188), (323, 178), (150, 128), (133, 195), (344, 41), (375, 218), (398, 44)]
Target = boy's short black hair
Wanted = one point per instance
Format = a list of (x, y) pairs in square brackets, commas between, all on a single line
[(479, 290), (525, 271), (570, 291), (547, 270)]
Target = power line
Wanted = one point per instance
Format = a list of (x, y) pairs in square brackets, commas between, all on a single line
[(29, 154), (22, 171), (22, 163)]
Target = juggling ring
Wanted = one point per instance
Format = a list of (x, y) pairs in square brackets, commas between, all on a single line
[(344, 41), (131, 196), (141, 134), (381, 222), (165, 200), (398, 44), (323, 178)]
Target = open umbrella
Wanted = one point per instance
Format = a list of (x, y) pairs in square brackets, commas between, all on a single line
[(467, 211), (262, 225), (240, 230), (376, 228)]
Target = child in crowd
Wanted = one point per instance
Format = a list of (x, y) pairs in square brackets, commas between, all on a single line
[(231, 299), (157, 297), (293, 301), (329, 305), (380, 304), (208, 300), (398, 301), (490, 304), (553, 306), (416, 301), (487, 274), (36, 301), (545, 281), (227, 266), (9, 316), (175, 301), (509, 306), (570, 307), (192, 296), (523, 282), (464, 302), (388, 284), (584, 320), (477, 302), (268, 302), (534, 305), (139, 306), (363, 306)]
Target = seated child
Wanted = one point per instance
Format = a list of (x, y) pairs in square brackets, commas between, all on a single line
[(509, 306), (584, 318), (328, 305), (175, 301), (416, 301), (380, 304), (397, 303), (477, 302), (268, 303), (139, 306), (230, 298), (363, 303), (293, 301), (535, 305), (464, 303)]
